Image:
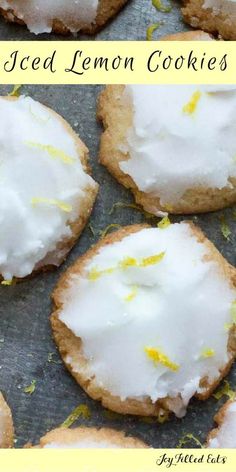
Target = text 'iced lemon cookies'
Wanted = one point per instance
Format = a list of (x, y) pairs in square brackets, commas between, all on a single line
[(61, 16), (225, 435), (215, 16), (6, 425), (145, 319), (46, 194), (87, 438), (173, 145)]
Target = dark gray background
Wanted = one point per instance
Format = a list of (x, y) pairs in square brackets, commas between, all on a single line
[(130, 24), (25, 334)]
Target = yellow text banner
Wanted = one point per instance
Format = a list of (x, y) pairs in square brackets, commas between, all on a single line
[(116, 460), (103, 62)]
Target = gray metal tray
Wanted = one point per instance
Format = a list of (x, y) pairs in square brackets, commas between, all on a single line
[(130, 24), (25, 334)]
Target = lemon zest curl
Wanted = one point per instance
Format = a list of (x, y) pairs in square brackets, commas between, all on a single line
[(151, 29), (31, 388), (95, 274), (132, 294), (164, 223), (207, 353), (225, 390), (186, 439), (15, 91), (158, 357), (7, 282), (52, 201), (191, 106), (52, 151), (160, 7), (80, 410)]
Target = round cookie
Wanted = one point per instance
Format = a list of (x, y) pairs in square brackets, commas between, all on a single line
[(63, 17), (143, 320), (215, 16), (174, 146), (46, 191), (6, 425), (197, 35), (224, 436), (85, 437)]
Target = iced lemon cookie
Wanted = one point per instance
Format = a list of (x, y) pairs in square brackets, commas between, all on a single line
[(174, 146), (145, 319), (83, 437), (46, 193), (225, 435), (216, 16), (61, 16), (6, 425)]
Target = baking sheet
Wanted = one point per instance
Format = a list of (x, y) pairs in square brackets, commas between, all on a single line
[(130, 24), (26, 345)]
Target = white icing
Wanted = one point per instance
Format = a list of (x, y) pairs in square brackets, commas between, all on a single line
[(39, 14), (82, 444), (181, 306), (29, 233), (222, 7), (172, 151), (226, 436)]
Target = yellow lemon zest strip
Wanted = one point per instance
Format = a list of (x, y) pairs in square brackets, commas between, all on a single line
[(225, 229), (132, 294), (128, 262), (118, 205), (191, 106), (7, 282), (95, 274), (53, 152), (159, 357), (51, 201), (108, 228), (185, 440), (225, 390), (31, 388), (81, 410), (160, 7), (146, 261), (151, 29), (164, 223), (207, 353), (15, 91)]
